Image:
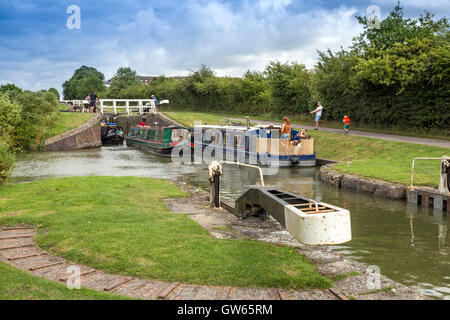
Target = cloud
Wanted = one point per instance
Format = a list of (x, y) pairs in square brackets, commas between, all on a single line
[(172, 37), (229, 40)]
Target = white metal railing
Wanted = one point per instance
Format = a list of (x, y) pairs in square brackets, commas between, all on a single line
[(413, 167), (129, 105), (247, 165), (140, 105)]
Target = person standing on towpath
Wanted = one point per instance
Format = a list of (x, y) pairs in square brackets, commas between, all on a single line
[(346, 124), (318, 113)]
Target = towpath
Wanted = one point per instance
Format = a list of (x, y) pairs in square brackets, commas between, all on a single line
[(383, 136)]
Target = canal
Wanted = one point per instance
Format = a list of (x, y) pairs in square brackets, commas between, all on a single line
[(408, 243)]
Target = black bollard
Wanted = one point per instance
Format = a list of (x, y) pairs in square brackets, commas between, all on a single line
[(214, 174), (216, 189)]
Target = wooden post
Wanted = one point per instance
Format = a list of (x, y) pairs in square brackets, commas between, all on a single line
[(425, 200)]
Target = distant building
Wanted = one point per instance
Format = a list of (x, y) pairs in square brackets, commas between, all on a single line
[(144, 79)]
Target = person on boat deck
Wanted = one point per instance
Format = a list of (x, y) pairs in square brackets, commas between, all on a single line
[(300, 136), (286, 130), (142, 124)]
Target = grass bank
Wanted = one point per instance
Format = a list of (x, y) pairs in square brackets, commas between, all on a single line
[(121, 226), (66, 121), (188, 118), (19, 285), (370, 158)]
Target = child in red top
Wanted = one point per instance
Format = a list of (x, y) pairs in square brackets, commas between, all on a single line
[(346, 124)]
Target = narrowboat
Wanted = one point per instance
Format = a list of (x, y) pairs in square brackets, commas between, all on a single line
[(159, 141), (259, 145), (112, 134)]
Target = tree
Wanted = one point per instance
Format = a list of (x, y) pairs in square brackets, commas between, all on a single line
[(124, 77), (55, 92), (256, 92), (332, 83), (397, 74), (289, 86), (84, 81), (396, 29), (10, 89)]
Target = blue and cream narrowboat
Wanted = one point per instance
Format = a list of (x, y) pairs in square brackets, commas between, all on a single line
[(259, 145)]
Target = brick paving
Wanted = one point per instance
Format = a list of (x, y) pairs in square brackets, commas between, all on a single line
[(22, 253), (18, 249)]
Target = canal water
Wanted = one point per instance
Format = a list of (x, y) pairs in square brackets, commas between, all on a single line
[(409, 244)]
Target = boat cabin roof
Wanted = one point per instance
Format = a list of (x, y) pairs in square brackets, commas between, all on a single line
[(237, 128), (159, 128)]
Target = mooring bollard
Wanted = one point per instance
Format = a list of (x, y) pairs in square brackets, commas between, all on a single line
[(214, 174), (444, 185)]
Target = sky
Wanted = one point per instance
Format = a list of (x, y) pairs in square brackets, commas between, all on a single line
[(174, 37)]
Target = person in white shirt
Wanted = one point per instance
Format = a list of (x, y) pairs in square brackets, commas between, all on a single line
[(318, 113)]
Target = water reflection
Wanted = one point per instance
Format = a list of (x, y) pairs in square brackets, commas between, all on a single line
[(408, 243)]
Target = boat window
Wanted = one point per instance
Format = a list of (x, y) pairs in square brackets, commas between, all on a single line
[(158, 135), (207, 136), (242, 141), (218, 138)]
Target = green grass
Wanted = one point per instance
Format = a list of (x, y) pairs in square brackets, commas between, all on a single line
[(121, 226), (66, 121), (19, 285), (370, 158), (188, 118), (379, 159)]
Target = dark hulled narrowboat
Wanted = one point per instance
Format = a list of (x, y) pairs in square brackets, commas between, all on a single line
[(112, 134), (159, 141)]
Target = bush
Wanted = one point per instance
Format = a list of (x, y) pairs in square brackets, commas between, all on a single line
[(7, 160), (9, 119)]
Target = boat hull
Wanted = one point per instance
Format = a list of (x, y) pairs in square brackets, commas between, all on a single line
[(305, 161), (113, 140), (149, 147)]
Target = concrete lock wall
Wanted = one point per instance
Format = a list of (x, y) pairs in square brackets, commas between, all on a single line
[(127, 122), (376, 187), (86, 136)]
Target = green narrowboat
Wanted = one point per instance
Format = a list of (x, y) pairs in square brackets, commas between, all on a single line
[(159, 141)]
